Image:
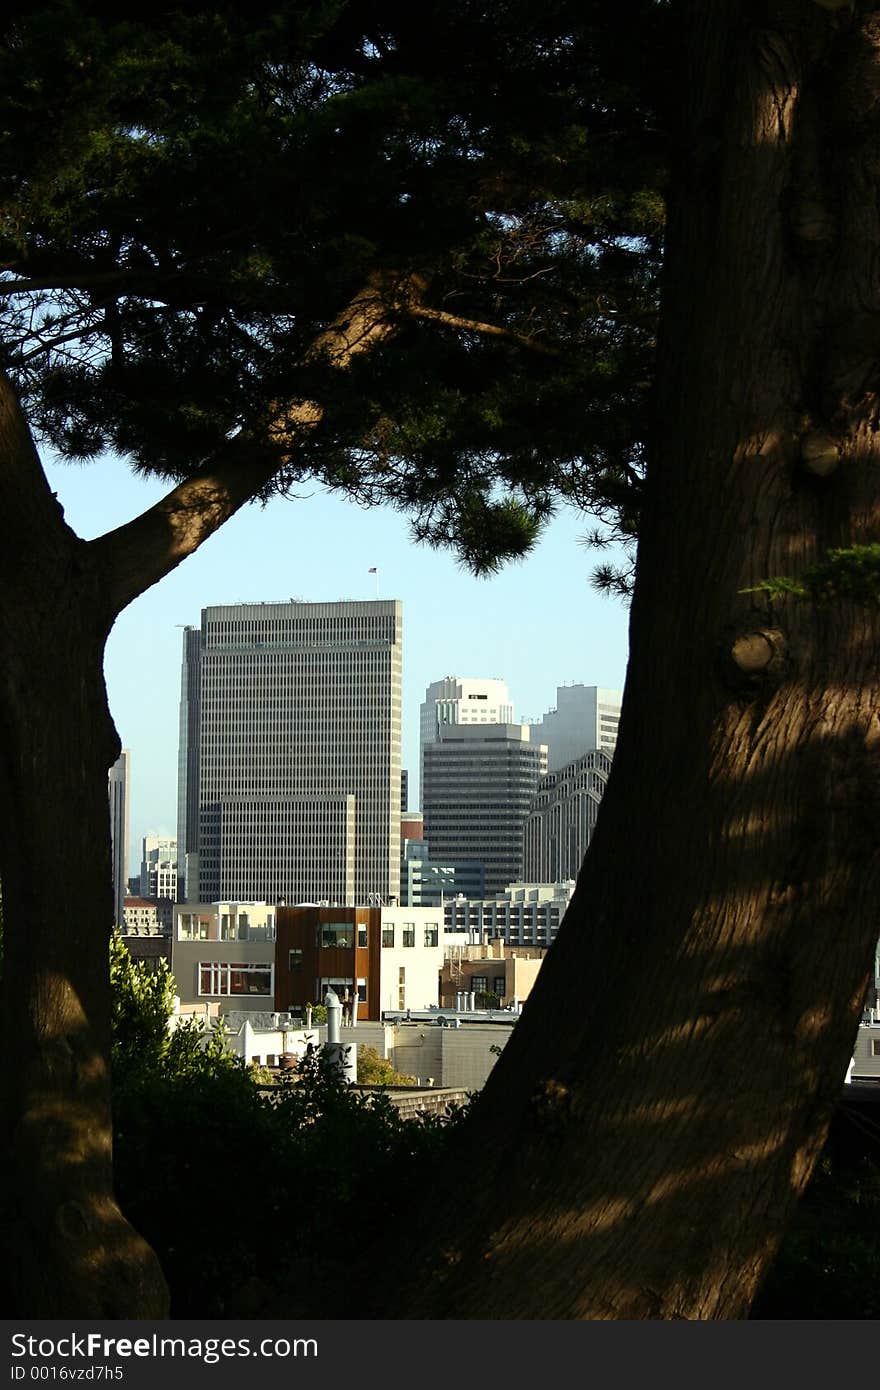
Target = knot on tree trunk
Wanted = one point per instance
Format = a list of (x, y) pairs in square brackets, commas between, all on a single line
[(813, 222), (820, 453), (756, 656), (550, 1106)]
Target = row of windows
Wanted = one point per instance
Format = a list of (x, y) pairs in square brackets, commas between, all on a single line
[(196, 927), (331, 936), (479, 984), (342, 988), (233, 978)]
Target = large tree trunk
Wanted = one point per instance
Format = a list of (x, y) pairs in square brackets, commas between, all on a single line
[(646, 1133), (67, 1250)]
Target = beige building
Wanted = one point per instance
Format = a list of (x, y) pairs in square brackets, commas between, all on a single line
[(159, 867), (140, 917), (443, 1056), (865, 1064), (224, 953), (433, 1054), (502, 972)]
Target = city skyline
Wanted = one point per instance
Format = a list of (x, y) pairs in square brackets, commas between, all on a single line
[(537, 624)]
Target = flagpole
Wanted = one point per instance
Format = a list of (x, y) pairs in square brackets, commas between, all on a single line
[(374, 570)]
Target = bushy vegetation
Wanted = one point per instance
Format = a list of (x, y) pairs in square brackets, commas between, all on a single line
[(373, 1070), (256, 1203)]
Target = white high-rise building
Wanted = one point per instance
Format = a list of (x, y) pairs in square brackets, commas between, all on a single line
[(290, 753), (462, 700), (585, 718), (119, 796)]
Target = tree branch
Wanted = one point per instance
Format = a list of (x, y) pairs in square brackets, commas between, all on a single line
[(28, 506), (141, 552), (88, 280), (492, 330), (81, 331)]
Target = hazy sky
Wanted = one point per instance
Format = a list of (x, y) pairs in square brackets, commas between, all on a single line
[(538, 624)]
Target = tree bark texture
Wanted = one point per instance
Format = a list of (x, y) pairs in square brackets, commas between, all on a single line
[(638, 1155), (67, 1249)]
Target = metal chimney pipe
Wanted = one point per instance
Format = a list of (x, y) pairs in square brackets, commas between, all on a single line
[(334, 1015), (343, 1055)]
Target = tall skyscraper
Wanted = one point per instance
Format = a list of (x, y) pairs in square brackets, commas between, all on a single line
[(290, 756), (585, 717), (119, 796), (188, 747), (479, 784)]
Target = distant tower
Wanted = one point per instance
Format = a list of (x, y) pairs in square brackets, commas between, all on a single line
[(188, 767), (465, 700), (561, 822), (119, 793), (158, 877), (290, 771), (585, 718), (479, 785)]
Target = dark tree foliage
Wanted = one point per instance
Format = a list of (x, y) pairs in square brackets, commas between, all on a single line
[(191, 197), (829, 1261), (256, 1197), (259, 1201)]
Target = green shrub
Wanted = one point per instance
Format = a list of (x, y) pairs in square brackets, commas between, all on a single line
[(373, 1070), (248, 1196)]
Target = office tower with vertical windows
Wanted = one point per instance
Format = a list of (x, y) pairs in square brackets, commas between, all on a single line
[(188, 747), (290, 768), (462, 700), (479, 785), (560, 825), (119, 796)]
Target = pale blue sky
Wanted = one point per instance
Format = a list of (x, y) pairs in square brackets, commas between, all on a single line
[(538, 624)]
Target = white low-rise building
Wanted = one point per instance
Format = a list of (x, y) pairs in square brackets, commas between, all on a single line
[(525, 914), (865, 1064)]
